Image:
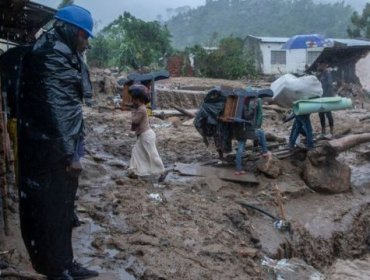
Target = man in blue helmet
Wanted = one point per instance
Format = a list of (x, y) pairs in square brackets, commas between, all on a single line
[(55, 80)]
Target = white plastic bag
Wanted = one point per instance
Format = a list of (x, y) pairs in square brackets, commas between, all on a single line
[(289, 88)]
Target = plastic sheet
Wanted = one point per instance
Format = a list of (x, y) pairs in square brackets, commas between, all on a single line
[(290, 269)]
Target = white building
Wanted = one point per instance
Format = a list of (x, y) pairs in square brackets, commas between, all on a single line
[(272, 59)]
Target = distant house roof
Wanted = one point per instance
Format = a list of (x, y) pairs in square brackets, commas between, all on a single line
[(337, 42), (340, 55), (281, 40), (21, 19), (352, 42)]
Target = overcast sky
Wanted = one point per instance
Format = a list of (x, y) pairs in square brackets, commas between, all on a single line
[(105, 11)]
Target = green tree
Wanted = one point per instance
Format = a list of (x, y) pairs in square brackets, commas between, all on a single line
[(65, 3), (360, 24), (229, 61), (98, 55), (132, 42)]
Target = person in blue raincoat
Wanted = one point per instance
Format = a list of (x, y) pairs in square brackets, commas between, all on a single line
[(51, 129)]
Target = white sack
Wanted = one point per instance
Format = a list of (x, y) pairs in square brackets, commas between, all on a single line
[(289, 88)]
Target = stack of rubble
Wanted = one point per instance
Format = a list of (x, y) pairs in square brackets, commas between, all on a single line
[(104, 81), (354, 91)]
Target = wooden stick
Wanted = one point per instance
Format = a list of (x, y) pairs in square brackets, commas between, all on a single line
[(3, 173), (279, 202), (183, 111)]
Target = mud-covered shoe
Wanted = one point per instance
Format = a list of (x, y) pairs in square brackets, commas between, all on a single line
[(321, 136), (329, 136), (64, 276), (301, 146), (77, 271)]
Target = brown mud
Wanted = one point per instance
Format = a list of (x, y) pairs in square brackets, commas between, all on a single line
[(194, 227)]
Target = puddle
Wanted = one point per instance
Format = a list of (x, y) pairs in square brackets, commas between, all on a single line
[(86, 254), (361, 176)]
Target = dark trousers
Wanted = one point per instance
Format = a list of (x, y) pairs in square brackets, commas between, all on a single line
[(46, 206), (301, 125), (329, 117)]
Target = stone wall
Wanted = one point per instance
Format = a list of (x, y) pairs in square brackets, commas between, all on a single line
[(187, 99)]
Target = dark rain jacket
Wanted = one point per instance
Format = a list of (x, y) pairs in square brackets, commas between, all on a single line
[(50, 129), (326, 80), (56, 81)]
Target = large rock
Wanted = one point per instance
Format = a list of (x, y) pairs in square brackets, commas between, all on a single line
[(328, 176)]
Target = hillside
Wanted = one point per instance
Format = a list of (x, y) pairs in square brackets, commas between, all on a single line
[(217, 19)]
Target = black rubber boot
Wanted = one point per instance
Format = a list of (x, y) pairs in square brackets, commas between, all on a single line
[(79, 272), (65, 276)]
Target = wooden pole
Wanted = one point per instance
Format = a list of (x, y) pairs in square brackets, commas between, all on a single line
[(347, 142), (279, 202), (183, 111), (3, 164)]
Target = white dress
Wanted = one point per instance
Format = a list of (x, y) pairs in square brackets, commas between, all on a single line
[(145, 159)]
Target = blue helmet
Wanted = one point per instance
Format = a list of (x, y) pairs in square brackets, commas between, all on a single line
[(76, 16)]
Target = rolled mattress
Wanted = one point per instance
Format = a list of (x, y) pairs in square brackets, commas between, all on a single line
[(324, 104)]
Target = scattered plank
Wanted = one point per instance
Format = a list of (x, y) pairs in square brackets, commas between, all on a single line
[(168, 113), (275, 108), (104, 109), (188, 122), (174, 91), (183, 111), (222, 173)]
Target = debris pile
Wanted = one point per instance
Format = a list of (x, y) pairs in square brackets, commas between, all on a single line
[(192, 224), (354, 91)]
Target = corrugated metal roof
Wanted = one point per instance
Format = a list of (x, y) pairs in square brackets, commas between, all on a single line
[(281, 40), (346, 42), (274, 39), (352, 42), (21, 19), (340, 55)]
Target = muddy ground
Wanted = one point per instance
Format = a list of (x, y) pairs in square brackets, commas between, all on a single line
[(193, 227)]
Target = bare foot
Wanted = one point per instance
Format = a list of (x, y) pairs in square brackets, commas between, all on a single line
[(267, 154)]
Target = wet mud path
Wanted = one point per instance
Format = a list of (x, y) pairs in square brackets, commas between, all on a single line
[(194, 227)]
